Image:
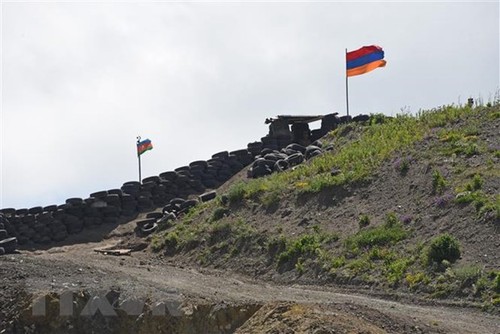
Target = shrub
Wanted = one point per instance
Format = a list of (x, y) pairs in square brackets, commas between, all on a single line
[(236, 193), (414, 279), (496, 283), (218, 214), (396, 270), (364, 221), (443, 247), (391, 220), (402, 165), (438, 182), (377, 236), (475, 184)]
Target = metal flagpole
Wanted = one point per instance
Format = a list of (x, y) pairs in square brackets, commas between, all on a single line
[(346, 85), (139, 157)]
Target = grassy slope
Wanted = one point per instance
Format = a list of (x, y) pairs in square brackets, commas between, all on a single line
[(241, 230)]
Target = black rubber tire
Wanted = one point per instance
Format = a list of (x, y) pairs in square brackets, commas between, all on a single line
[(9, 245), (8, 211), (361, 118), (311, 148), (221, 155), (144, 222), (130, 189), (28, 219), (199, 163), (208, 196), (2, 251), (75, 201), (273, 156), (148, 229), (21, 212), (314, 154), (50, 208), (259, 171), (297, 147), (99, 194), (281, 165), (181, 169), (155, 215), (188, 204), (132, 183), (255, 144), (154, 179), (312, 151), (318, 143), (44, 216), (3, 234), (177, 201), (169, 208), (241, 152), (170, 175), (262, 162), (35, 210), (118, 192), (295, 159)]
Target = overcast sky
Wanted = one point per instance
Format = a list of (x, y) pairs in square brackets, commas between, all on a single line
[(81, 80)]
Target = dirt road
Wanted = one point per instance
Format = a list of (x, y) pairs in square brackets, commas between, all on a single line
[(78, 266), (284, 308)]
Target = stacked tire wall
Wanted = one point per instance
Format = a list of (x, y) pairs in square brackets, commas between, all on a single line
[(39, 226), (54, 223)]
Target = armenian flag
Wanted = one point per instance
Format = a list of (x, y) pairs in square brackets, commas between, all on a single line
[(364, 60), (143, 146)]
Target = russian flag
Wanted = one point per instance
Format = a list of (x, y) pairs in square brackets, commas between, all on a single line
[(364, 60), (143, 146)]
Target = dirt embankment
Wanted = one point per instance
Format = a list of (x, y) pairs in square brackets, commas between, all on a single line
[(210, 301)]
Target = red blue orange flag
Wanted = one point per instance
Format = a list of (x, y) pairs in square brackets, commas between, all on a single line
[(143, 146), (364, 60)]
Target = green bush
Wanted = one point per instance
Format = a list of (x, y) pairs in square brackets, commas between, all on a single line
[(376, 236), (237, 193), (475, 184), (438, 182), (443, 247), (496, 283), (218, 214), (364, 221), (391, 220)]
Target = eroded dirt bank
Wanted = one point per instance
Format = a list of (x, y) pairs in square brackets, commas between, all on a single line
[(209, 301)]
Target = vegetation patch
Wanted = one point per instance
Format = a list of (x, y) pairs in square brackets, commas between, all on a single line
[(438, 182), (307, 245), (442, 247), (389, 233)]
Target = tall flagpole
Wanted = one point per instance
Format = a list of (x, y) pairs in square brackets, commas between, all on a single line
[(346, 85), (139, 157)]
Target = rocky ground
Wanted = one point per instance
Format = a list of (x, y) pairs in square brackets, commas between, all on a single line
[(211, 301)]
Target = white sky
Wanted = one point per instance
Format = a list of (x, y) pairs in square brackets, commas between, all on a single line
[(80, 81)]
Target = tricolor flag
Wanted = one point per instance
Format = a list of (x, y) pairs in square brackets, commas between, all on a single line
[(143, 146), (364, 60)]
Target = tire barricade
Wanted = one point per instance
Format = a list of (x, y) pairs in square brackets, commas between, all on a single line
[(170, 190)]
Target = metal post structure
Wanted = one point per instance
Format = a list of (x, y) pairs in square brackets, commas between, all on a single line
[(139, 157), (346, 85)]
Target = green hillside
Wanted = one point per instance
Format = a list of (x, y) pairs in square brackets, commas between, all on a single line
[(405, 204)]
